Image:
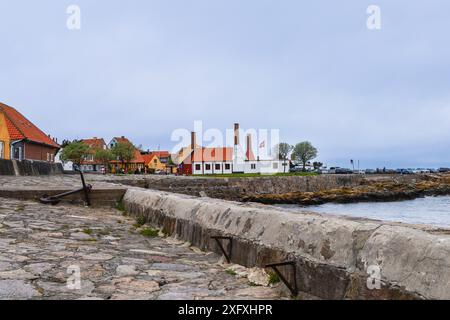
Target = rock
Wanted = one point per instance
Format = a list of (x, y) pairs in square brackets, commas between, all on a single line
[(151, 252), (171, 267), (98, 256), (126, 270), (17, 275), (131, 284), (39, 268), (17, 289), (258, 276), (80, 236), (51, 287)]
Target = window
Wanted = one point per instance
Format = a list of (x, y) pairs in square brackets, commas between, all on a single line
[(17, 153), (155, 161), (227, 166), (253, 166), (217, 166), (275, 165), (48, 156), (52, 157), (198, 167), (2, 149), (207, 167)]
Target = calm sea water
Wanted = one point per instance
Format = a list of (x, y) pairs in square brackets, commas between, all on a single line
[(430, 210)]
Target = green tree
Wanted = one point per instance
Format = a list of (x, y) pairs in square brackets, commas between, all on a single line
[(104, 156), (317, 165), (123, 152), (76, 152), (304, 152), (284, 149)]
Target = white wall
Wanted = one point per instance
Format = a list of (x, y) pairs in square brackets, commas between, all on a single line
[(272, 166), (251, 167), (212, 169), (194, 168), (230, 170)]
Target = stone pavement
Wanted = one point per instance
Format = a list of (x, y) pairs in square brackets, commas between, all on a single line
[(43, 247), (57, 181)]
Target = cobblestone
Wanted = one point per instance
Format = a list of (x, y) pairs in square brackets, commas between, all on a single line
[(40, 245)]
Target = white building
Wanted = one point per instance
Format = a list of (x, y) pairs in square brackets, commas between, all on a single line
[(228, 160), (67, 165), (212, 161)]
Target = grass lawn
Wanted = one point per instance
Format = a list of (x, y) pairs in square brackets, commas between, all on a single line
[(255, 175)]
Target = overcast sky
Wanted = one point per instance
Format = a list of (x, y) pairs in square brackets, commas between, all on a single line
[(309, 68)]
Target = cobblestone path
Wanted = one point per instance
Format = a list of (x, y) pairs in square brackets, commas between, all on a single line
[(41, 246)]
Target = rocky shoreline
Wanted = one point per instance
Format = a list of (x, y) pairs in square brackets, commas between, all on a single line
[(370, 190)]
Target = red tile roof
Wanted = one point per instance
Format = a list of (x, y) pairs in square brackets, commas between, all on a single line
[(213, 154), (122, 140), (95, 143), (20, 127), (161, 154), (148, 157), (137, 154)]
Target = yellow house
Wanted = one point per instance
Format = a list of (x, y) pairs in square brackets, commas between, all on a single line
[(4, 138), (153, 162)]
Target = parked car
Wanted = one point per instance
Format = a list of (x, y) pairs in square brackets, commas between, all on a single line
[(343, 171), (370, 171), (404, 171), (444, 170), (333, 170)]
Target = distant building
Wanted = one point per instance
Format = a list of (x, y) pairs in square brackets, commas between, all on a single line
[(159, 161), (137, 163), (90, 164), (212, 161), (153, 163), (195, 159), (20, 139)]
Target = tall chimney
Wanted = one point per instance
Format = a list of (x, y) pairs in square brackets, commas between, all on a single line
[(249, 146), (236, 134), (193, 140)]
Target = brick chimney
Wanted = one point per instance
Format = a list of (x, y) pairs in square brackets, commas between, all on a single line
[(249, 146), (193, 140), (236, 134)]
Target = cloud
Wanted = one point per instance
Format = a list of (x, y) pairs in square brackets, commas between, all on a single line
[(314, 71)]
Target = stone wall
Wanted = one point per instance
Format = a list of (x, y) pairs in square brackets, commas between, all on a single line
[(237, 188), (6, 168), (332, 255), (29, 168)]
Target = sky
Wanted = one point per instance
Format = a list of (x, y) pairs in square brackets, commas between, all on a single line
[(313, 70)]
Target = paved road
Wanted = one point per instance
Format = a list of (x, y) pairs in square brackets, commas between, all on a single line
[(40, 246)]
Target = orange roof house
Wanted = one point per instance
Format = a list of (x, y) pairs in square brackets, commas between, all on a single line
[(90, 163), (153, 162), (21, 139), (137, 162)]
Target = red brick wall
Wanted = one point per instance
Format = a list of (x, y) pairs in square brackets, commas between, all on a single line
[(38, 152)]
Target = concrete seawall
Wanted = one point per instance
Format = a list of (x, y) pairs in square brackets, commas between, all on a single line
[(28, 168), (332, 255)]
